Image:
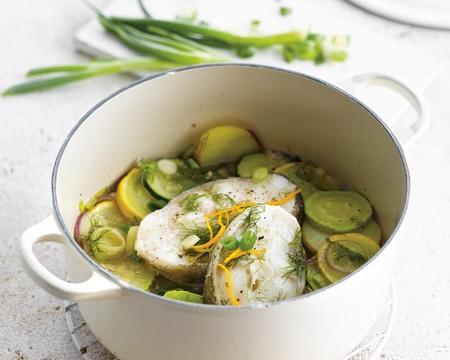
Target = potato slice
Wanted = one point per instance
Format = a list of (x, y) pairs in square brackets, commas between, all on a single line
[(224, 144)]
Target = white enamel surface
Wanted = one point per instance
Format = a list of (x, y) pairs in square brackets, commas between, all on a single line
[(262, 279), (160, 117), (161, 232)]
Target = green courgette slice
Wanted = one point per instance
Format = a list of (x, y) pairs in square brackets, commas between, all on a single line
[(314, 278), (312, 237), (168, 184), (337, 211)]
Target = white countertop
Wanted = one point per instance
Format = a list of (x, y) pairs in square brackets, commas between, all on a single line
[(32, 325)]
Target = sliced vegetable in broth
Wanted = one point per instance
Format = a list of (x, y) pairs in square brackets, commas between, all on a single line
[(190, 230)]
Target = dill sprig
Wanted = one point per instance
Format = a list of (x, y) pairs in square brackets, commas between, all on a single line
[(201, 231), (252, 217), (342, 252), (223, 200), (190, 203), (296, 259)]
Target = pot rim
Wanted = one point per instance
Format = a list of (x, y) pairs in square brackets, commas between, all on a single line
[(186, 305)]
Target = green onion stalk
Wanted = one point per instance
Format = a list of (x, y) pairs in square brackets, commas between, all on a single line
[(53, 76)]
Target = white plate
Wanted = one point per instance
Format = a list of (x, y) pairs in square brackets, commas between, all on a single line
[(429, 13)]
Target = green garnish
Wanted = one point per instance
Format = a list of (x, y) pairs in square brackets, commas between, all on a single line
[(285, 11), (193, 229), (192, 163), (297, 258), (251, 218), (191, 202), (248, 240), (342, 253), (156, 204), (260, 174), (134, 256), (222, 200), (124, 228), (244, 51), (230, 242)]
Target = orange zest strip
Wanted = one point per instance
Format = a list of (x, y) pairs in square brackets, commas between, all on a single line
[(229, 212), (229, 285), (208, 225), (239, 252), (283, 200), (214, 239)]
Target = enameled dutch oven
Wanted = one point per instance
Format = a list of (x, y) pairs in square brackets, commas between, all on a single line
[(160, 115)]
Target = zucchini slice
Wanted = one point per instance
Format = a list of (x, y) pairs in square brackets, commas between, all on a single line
[(372, 230), (314, 278), (224, 144), (132, 197), (337, 211), (183, 295), (269, 159), (314, 238), (166, 178)]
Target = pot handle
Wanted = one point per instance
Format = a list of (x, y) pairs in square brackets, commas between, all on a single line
[(96, 287), (416, 100)]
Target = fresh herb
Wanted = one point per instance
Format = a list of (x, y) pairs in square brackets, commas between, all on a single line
[(285, 11), (244, 51), (254, 24), (191, 202), (251, 218), (248, 240), (342, 252), (200, 231), (156, 204), (134, 256), (192, 164), (230, 243), (296, 258), (124, 228), (222, 200), (167, 44)]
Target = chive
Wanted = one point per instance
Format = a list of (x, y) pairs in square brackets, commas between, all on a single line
[(230, 243), (285, 11), (260, 174), (156, 204), (248, 240)]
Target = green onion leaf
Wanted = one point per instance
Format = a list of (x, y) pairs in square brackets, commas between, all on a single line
[(248, 240), (285, 11), (230, 243), (260, 174)]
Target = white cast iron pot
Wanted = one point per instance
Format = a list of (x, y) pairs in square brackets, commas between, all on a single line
[(158, 117)]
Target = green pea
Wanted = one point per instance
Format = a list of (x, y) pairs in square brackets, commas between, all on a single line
[(230, 243), (248, 240)]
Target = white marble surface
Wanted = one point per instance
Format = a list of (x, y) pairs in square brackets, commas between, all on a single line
[(32, 325)]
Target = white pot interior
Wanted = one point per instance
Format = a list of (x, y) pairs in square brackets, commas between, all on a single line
[(161, 116)]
